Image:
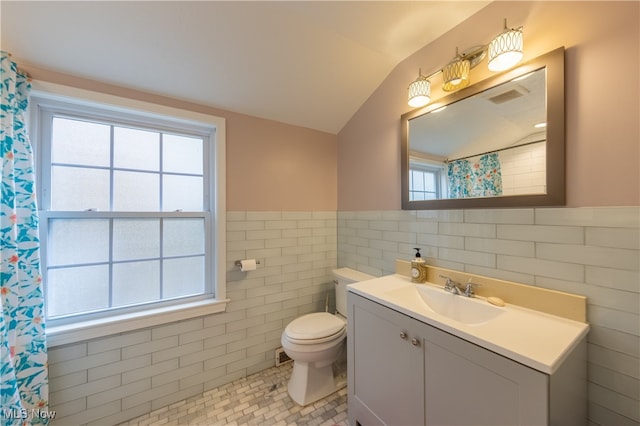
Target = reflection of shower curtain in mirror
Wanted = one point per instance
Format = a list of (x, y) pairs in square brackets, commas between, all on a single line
[(481, 178)]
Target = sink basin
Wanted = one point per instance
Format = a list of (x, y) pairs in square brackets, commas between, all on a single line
[(535, 339), (458, 308)]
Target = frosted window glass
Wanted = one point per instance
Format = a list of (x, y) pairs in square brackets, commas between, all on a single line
[(136, 282), (75, 188), (182, 154), (78, 241), (183, 277), (114, 186), (417, 180), (430, 182), (136, 191), (182, 193), (73, 290), (136, 149), (136, 239), (80, 142), (183, 237)]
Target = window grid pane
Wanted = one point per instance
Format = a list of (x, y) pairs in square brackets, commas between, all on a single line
[(91, 188), (80, 142), (422, 185), (136, 149), (132, 268), (110, 168), (135, 191), (77, 290), (136, 282), (113, 170)]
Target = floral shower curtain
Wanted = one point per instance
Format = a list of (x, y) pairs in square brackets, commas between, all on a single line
[(23, 350), (481, 178)]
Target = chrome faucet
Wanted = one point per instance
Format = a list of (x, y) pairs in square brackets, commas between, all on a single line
[(454, 287), (468, 291), (451, 286)]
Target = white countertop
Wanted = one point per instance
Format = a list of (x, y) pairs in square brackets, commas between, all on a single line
[(535, 339)]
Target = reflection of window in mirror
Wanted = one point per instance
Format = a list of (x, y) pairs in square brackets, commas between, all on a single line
[(427, 179), (517, 122)]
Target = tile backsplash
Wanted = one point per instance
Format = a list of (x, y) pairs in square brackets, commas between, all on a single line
[(588, 251), (109, 380)]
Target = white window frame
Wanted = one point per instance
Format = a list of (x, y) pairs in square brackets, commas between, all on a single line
[(61, 332), (434, 167)]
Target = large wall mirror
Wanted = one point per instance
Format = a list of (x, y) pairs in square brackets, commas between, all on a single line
[(497, 143)]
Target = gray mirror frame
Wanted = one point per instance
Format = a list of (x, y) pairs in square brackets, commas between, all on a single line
[(555, 162)]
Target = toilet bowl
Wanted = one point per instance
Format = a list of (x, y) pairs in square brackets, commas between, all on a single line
[(314, 341)]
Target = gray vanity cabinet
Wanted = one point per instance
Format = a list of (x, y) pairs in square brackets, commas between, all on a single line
[(468, 385), (405, 372), (385, 366)]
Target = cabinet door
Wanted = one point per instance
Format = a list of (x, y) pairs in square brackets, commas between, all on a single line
[(469, 385), (386, 382)]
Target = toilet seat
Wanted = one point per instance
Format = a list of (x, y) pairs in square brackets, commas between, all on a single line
[(318, 327), (315, 342)]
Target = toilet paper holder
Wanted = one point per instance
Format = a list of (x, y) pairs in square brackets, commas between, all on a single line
[(238, 263)]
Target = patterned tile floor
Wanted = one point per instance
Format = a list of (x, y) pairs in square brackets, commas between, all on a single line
[(260, 399)]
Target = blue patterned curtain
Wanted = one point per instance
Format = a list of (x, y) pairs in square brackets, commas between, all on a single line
[(23, 351), (481, 178), (459, 175)]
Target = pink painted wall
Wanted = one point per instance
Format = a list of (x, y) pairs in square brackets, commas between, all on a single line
[(602, 43), (271, 166), (275, 167)]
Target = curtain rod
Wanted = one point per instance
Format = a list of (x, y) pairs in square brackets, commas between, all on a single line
[(18, 69), (495, 150), (26, 74)]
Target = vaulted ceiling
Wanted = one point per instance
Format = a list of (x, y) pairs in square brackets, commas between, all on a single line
[(306, 63)]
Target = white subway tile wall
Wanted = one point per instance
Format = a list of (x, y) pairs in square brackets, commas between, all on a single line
[(590, 251), (523, 169), (109, 380)]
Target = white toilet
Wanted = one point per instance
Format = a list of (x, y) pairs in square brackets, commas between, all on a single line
[(313, 342)]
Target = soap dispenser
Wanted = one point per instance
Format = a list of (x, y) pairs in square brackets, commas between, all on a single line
[(418, 268)]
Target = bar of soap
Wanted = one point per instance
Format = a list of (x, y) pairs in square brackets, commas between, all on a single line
[(495, 301)]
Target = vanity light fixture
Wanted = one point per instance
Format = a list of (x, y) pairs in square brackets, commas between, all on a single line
[(420, 91), (505, 50), (455, 75)]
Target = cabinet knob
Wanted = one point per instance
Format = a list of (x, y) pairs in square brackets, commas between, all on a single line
[(415, 342), (403, 335)]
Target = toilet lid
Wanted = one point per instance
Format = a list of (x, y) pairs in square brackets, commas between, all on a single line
[(314, 326)]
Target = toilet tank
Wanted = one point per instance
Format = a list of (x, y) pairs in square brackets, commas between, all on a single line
[(341, 278)]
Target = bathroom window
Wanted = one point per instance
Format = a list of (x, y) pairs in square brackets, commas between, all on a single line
[(426, 181), (127, 211)]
